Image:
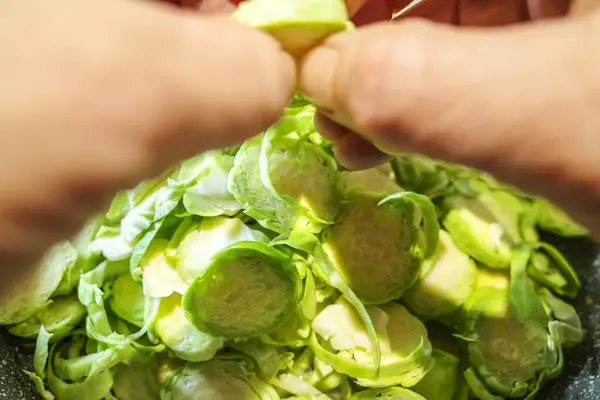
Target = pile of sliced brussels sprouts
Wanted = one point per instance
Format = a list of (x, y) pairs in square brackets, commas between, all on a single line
[(268, 271)]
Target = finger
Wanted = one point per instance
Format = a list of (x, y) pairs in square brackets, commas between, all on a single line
[(491, 12), (485, 98), (330, 130), (210, 103), (547, 8), (356, 153)]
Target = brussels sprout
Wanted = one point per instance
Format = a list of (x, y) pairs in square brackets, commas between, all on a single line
[(202, 242), (566, 325), (248, 289), (285, 182), (487, 226), (377, 181), (178, 333), (205, 180), (160, 278), (551, 269), (127, 300), (269, 359), (405, 348), (217, 379), (86, 257), (421, 175), (59, 318), (30, 294), (134, 383), (393, 227), (553, 219), (394, 393), (298, 25), (447, 280), (514, 345), (441, 383)]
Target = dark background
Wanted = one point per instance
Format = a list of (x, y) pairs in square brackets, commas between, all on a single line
[(579, 381)]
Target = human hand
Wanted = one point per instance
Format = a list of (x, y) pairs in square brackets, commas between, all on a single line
[(520, 101), (97, 96)]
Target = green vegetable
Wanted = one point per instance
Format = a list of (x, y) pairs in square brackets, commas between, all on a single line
[(25, 299), (217, 379), (446, 282), (248, 289), (406, 350), (404, 229), (178, 333), (268, 271), (297, 25)]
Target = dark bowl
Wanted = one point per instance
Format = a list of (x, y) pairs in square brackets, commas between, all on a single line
[(579, 381)]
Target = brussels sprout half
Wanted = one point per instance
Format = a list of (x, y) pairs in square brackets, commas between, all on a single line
[(248, 289), (486, 226), (514, 334), (285, 182), (299, 25), (30, 294), (403, 229), (405, 348), (178, 333), (217, 379), (447, 281)]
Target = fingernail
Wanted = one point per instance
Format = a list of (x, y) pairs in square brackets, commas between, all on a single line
[(317, 77)]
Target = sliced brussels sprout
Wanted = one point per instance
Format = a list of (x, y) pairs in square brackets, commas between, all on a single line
[(284, 181), (269, 359), (134, 383), (217, 379), (511, 350), (247, 290), (405, 348), (404, 230), (441, 383), (487, 226), (298, 25), (553, 219), (27, 296), (422, 175), (59, 318), (178, 333), (378, 181), (566, 325), (205, 179), (203, 241), (159, 276), (447, 280), (550, 268), (127, 300), (86, 257), (393, 393)]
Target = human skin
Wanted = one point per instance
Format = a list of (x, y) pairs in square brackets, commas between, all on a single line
[(98, 95), (514, 97), (115, 91), (508, 86)]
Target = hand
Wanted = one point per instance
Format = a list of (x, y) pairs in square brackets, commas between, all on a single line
[(98, 95), (519, 101)]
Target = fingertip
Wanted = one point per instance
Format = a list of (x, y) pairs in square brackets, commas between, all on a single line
[(355, 153), (329, 129)]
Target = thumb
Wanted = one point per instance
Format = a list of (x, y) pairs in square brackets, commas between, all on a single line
[(519, 102)]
